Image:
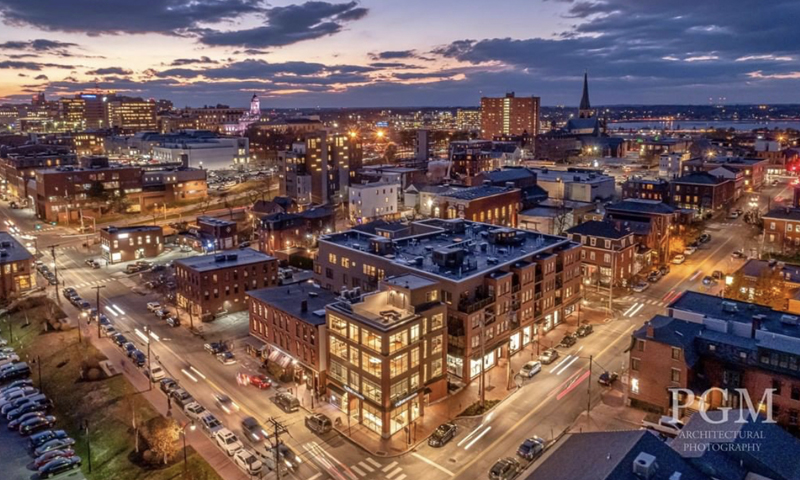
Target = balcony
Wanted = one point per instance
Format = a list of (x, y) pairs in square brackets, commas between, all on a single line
[(473, 305), (516, 288)]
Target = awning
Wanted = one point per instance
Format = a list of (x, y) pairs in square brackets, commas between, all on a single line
[(273, 355), (284, 360), (336, 389)]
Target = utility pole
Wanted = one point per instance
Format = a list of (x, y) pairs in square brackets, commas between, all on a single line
[(39, 365), (88, 444), (97, 288), (483, 363), (149, 369), (589, 387), (55, 269), (278, 429)]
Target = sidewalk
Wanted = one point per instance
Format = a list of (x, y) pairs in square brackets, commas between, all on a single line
[(196, 439)]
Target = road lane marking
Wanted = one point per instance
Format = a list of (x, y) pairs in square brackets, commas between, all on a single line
[(373, 462), (389, 467), (558, 365), (395, 472), (357, 470), (433, 464), (630, 309), (191, 367), (401, 477), (366, 467), (575, 359), (183, 370), (489, 427), (315, 477)]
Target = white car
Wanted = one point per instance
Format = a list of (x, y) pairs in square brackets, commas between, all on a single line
[(155, 372), (640, 287), (733, 215), (678, 259), (194, 410), (226, 358), (228, 441), (689, 250), (153, 306), (210, 423), (248, 461), (530, 369)]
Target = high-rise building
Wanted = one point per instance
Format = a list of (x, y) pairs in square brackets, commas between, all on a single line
[(509, 115), (468, 120), (72, 111), (131, 114)]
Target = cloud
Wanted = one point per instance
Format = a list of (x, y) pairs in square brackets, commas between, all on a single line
[(394, 65), (121, 16), (41, 77), (110, 71), (17, 65), (38, 45), (179, 62), (287, 25), (393, 55)]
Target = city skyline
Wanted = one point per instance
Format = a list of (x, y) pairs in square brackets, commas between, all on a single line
[(370, 54)]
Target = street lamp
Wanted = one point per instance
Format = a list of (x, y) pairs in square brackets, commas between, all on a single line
[(183, 434)]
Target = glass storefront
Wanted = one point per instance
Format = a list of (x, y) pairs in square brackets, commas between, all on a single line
[(488, 362), (548, 322), (514, 343), (372, 418), (526, 335), (455, 365), (399, 419)]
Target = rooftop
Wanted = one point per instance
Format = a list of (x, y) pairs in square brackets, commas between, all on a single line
[(755, 267), (784, 213), (213, 221), (673, 332), (701, 178), (611, 456), (639, 205), (411, 282), (451, 249), (11, 250), (548, 175), (290, 300), (596, 228), (364, 186), (208, 263), (474, 193), (510, 174), (386, 309), (131, 229)]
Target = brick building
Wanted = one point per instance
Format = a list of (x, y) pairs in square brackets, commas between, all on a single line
[(210, 285), (509, 115), (217, 233), (18, 168), (291, 322), (754, 169), (387, 353), (607, 253), (646, 188), (515, 283), (651, 223), (281, 231), (17, 274), (487, 204), (123, 244), (708, 341), (702, 192), (782, 229)]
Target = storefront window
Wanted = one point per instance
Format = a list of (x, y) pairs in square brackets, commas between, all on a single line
[(399, 390), (370, 364), (414, 409), (526, 335), (371, 390), (337, 325), (548, 322), (475, 364), (455, 365), (513, 343), (355, 384), (414, 382), (371, 418), (398, 365), (370, 340), (399, 418)]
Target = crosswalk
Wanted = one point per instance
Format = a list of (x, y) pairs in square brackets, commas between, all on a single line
[(42, 230), (648, 301), (93, 284), (367, 468)]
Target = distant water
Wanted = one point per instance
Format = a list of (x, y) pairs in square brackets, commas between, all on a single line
[(703, 125)]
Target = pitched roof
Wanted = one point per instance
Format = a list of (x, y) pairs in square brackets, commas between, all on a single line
[(640, 205), (784, 213), (673, 332), (585, 105), (701, 178), (596, 228), (510, 174), (610, 456)]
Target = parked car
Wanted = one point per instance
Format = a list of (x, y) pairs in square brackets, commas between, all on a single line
[(287, 402), (607, 378), (119, 339), (640, 287), (704, 238), (584, 330), (17, 371), (318, 423), (133, 268), (709, 280), (194, 410), (30, 407), (253, 430), (248, 461), (46, 458), (16, 393), (738, 254), (153, 306), (14, 404), (214, 347), (531, 448), (25, 382), (54, 444), (733, 215), (717, 275), (210, 423), (173, 322), (664, 269), (69, 292), (139, 358), (654, 276), (505, 469), (167, 385), (60, 465), (38, 439), (678, 259), (530, 369), (129, 348), (226, 358), (228, 441), (568, 341), (443, 434), (162, 313), (36, 424), (548, 356), (154, 373), (181, 397), (689, 250), (20, 419)]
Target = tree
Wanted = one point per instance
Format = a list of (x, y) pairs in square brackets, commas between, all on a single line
[(162, 436), (769, 288), (734, 289), (120, 203), (97, 191), (390, 153)]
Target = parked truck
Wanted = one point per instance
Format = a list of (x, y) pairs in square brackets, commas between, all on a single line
[(662, 424)]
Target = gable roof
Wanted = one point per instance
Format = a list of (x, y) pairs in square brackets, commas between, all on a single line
[(701, 178), (673, 332), (639, 205), (597, 228)]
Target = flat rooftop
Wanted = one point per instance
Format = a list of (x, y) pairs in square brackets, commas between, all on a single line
[(131, 229), (480, 255), (207, 263), (290, 299), (14, 251)]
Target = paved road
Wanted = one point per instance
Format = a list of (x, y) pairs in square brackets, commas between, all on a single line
[(544, 406)]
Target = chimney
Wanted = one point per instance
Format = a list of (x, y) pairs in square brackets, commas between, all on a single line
[(757, 319), (650, 330), (304, 306)]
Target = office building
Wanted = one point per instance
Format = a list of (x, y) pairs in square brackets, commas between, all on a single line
[(202, 149), (701, 192), (131, 115), (485, 204), (125, 244), (18, 168), (578, 186), (217, 233), (509, 115), (214, 285), (371, 201), (511, 284)]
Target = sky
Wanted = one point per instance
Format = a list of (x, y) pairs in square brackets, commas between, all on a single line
[(403, 53)]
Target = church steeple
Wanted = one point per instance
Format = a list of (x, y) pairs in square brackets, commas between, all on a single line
[(585, 109)]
